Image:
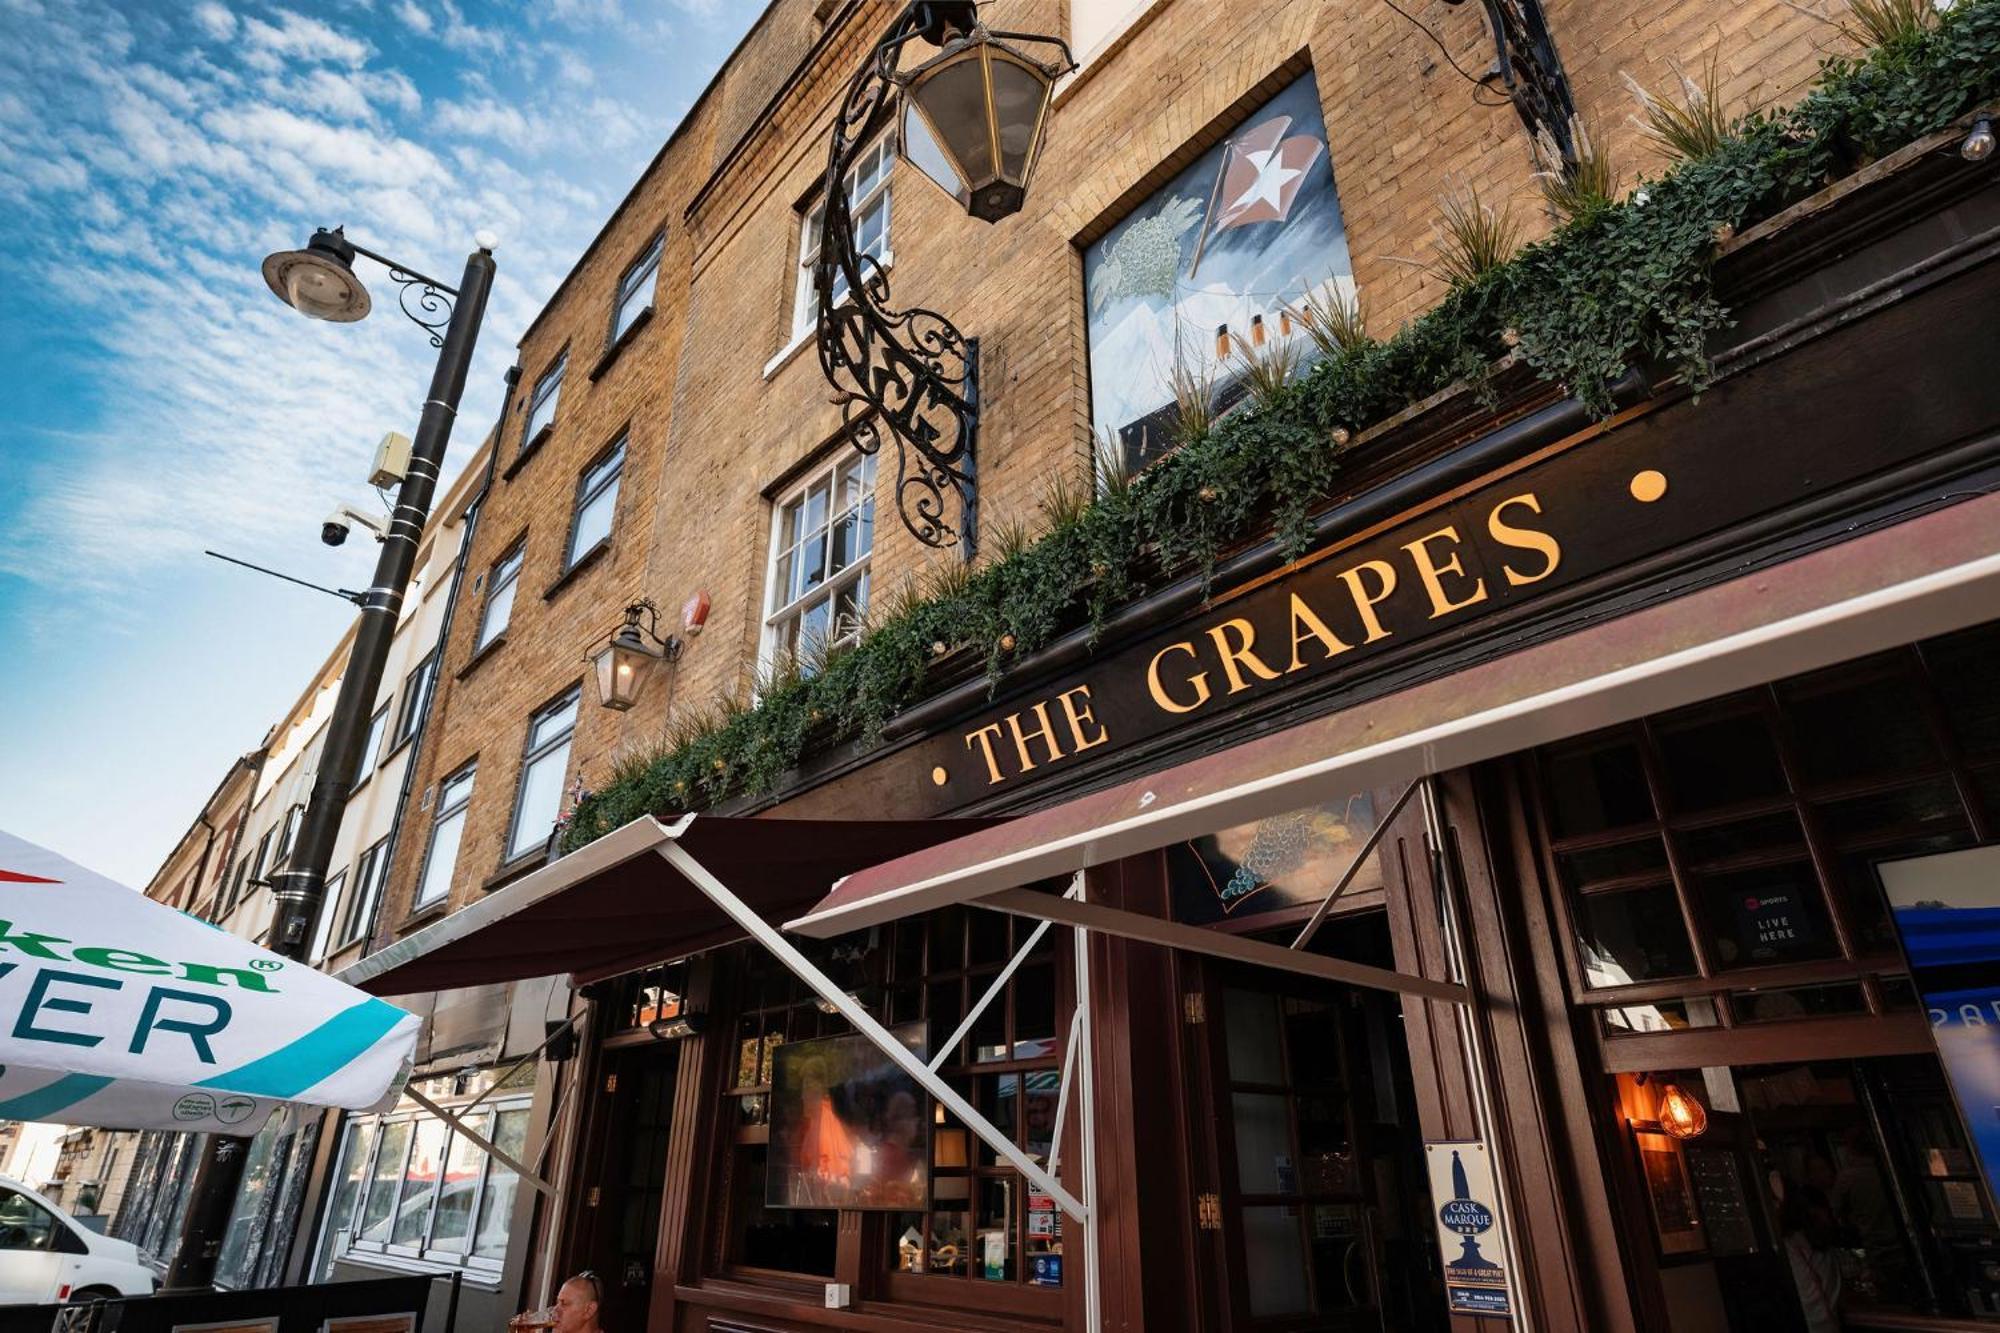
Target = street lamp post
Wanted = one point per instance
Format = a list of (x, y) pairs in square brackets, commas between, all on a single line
[(319, 281)]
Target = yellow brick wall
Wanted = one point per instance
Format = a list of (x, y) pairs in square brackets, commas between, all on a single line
[(713, 433)]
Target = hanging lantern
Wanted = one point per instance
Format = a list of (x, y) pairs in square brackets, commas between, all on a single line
[(1681, 1116), (625, 661), (973, 115)]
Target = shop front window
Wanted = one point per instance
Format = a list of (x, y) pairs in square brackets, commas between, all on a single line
[(410, 1186), (979, 1220)]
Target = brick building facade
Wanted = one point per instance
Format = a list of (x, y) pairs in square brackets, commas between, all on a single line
[(671, 414)]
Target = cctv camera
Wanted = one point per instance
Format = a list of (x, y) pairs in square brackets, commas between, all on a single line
[(333, 531)]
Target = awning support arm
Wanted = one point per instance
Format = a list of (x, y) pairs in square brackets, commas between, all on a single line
[(514, 1068), (1354, 867), (484, 1144), (864, 1023), (993, 991), (1195, 939), (1068, 1072)]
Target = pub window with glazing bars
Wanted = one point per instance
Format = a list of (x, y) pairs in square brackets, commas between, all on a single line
[(1737, 838), (982, 1222), (868, 206), (822, 537)]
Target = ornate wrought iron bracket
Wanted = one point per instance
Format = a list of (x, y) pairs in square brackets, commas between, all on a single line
[(909, 373), (1530, 72), (425, 300)]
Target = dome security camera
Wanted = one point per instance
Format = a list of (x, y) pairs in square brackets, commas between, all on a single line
[(334, 528)]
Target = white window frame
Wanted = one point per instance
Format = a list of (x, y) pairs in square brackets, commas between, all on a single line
[(469, 773), (548, 388), (378, 727), (642, 274), (329, 908), (370, 869), (805, 304), (342, 1242), (845, 462), (538, 752), (588, 493), (416, 698), (504, 577)]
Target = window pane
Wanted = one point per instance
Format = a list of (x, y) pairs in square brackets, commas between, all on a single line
[(1719, 760), (1634, 936), (1263, 1143), (1874, 727), (496, 1208), (593, 521), (555, 722), (1252, 1031), (383, 1180), (499, 609), (347, 1187), (1597, 785), (1275, 1252), (457, 788), (1769, 915), (443, 857), (1644, 856), (452, 1229), (329, 908), (419, 1184), (541, 800)]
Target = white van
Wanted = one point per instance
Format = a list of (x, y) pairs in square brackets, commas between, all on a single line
[(47, 1257)]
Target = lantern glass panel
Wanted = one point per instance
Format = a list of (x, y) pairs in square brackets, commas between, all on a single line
[(953, 98), (921, 150), (1018, 96)]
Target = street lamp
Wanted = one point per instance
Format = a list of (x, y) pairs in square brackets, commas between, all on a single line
[(971, 118), (320, 282), (624, 662)]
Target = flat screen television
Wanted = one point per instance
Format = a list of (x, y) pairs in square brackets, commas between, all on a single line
[(848, 1127)]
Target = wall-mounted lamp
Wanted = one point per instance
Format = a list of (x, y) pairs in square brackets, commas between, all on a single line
[(674, 1029), (624, 661), (1681, 1116)]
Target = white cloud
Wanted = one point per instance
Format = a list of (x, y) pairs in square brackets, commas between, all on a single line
[(215, 20), (297, 37), (414, 17)]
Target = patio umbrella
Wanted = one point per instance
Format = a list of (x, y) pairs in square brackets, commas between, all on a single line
[(118, 1011)]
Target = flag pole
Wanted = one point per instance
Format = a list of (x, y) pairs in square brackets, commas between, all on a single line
[(1228, 147)]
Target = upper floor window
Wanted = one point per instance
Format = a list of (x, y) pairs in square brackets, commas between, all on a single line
[(635, 289), (359, 911), (377, 726), (542, 403), (416, 693), (289, 835), (868, 205), (500, 595), (447, 829), (821, 537), (596, 503), (543, 767), (329, 908)]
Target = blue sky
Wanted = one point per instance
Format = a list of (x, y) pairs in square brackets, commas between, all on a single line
[(156, 399)]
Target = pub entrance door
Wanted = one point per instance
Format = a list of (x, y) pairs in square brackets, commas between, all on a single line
[(617, 1231), (1320, 1217)]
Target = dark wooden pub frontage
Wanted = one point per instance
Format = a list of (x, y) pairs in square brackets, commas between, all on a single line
[(1612, 723)]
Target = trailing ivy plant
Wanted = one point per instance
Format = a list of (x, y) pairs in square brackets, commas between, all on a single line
[(1615, 287)]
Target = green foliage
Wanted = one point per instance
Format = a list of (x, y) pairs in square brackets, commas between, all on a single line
[(1617, 286), (1888, 22), (1580, 188), (1688, 123), (1474, 237)]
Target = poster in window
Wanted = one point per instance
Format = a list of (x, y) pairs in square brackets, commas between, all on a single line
[(1246, 233), (1946, 907), (848, 1128), (1288, 860)]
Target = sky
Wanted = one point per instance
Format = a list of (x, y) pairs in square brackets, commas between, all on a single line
[(156, 399)]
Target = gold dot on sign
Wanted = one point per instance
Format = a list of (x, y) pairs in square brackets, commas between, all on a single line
[(939, 777), (1648, 486)]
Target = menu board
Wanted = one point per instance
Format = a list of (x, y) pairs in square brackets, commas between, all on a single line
[(1725, 1208)]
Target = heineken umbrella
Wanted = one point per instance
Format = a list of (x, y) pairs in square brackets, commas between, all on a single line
[(119, 1011)]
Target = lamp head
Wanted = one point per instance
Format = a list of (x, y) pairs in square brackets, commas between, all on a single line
[(319, 281), (973, 116), (1979, 143)]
